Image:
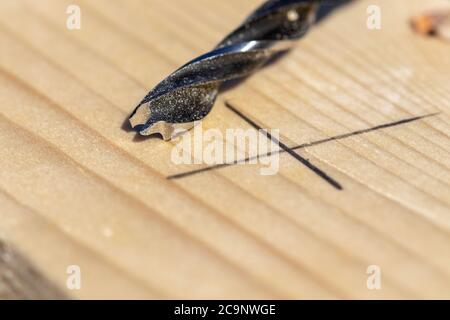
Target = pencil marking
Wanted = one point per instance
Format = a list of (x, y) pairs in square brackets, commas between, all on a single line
[(302, 146), (284, 147)]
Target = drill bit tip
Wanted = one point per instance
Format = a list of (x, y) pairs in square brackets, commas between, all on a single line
[(188, 94)]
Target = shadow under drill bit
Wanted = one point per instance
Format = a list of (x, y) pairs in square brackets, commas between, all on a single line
[(137, 137)]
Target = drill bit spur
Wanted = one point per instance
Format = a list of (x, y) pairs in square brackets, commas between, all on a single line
[(189, 93)]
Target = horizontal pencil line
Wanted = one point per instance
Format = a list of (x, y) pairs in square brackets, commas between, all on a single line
[(302, 146)]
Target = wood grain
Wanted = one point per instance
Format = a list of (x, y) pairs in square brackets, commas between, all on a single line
[(78, 189)]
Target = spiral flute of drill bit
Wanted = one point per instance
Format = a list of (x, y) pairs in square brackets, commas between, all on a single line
[(189, 93)]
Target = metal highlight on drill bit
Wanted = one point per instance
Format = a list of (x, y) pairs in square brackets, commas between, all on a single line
[(189, 93)]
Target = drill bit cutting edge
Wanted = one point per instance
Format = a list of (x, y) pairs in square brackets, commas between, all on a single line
[(189, 93)]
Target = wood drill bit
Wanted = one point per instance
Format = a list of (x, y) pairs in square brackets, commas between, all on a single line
[(188, 94)]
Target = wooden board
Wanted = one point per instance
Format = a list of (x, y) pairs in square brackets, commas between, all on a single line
[(78, 189)]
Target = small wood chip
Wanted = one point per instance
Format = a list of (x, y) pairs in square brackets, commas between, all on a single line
[(433, 23)]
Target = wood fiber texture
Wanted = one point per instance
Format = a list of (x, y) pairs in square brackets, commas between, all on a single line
[(76, 188)]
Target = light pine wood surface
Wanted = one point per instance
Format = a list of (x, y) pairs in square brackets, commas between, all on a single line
[(78, 189)]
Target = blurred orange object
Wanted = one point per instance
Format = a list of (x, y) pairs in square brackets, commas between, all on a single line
[(434, 23)]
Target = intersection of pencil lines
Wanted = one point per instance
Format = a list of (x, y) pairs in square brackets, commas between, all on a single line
[(292, 150)]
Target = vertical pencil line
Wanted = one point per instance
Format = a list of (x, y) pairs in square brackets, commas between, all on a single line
[(291, 152)]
